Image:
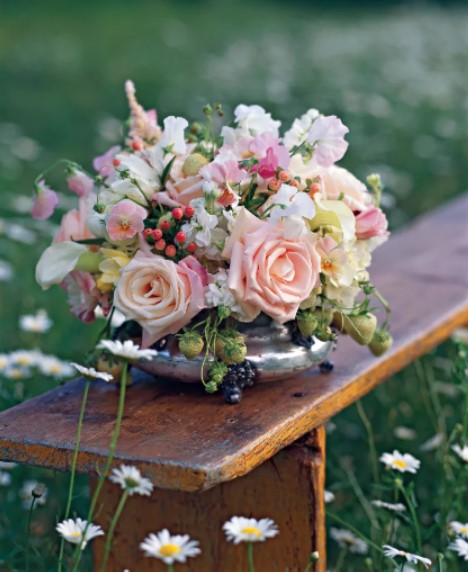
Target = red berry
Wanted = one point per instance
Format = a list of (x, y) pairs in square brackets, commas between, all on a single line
[(314, 188), (116, 162), (177, 213), (171, 251), (160, 245), (274, 184), (181, 237), (157, 234), (283, 175), (189, 211), (165, 225), (137, 145), (191, 247), (294, 183), (147, 232)]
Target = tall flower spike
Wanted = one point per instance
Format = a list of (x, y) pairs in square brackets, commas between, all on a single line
[(143, 124)]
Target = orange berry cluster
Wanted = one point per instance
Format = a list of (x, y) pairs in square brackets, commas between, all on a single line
[(283, 176)]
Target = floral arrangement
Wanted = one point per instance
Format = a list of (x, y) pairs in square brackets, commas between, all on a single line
[(189, 231)]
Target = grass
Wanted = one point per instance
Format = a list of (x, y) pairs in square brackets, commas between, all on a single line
[(397, 78)]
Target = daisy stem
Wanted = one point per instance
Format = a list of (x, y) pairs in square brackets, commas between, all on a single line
[(170, 567), (414, 518), (370, 440), (341, 559), (28, 534), (110, 533), (250, 556), (73, 465)]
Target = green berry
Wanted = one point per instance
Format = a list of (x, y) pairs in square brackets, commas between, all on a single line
[(324, 333), (211, 387), (381, 342), (307, 324), (191, 344), (230, 347), (361, 328)]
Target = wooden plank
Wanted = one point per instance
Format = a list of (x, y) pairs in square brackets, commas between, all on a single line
[(186, 440), (289, 488)]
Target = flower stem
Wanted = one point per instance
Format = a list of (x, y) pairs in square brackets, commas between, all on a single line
[(110, 533), (28, 535), (414, 518), (170, 567), (341, 559), (250, 556), (370, 440), (73, 465)]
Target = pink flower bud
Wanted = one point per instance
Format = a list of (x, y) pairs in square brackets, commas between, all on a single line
[(371, 223), (44, 203)]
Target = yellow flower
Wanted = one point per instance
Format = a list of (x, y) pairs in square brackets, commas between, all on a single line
[(110, 268)]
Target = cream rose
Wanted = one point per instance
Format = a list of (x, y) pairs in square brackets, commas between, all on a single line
[(269, 272), (162, 296)]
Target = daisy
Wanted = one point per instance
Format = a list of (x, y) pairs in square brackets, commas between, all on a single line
[(459, 528), (4, 362), (127, 350), (29, 491), (169, 548), (329, 496), (15, 373), (92, 373), (7, 465), (391, 552), (78, 532), (25, 358), (347, 540), (239, 529), (400, 462), (397, 507), (38, 323), (131, 480), (52, 366), (462, 452), (5, 479), (460, 546)]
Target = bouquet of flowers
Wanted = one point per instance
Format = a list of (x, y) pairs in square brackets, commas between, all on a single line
[(190, 231)]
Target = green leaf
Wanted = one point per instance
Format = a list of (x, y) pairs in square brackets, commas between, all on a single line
[(166, 172), (90, 241)]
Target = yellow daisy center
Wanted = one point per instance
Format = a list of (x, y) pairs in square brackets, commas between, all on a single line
[(75, 534), (252, 531), (16, 374), (23, 360), (463, 530), (169, 549), (400, 464), (55, 369)]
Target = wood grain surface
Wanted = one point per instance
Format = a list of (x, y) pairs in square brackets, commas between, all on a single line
[(186, 440)]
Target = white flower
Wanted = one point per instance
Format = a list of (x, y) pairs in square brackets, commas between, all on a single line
[(347, 539), (92, 373), (300, 128), (289, 202), (239, 529), (5, 479), (57, 261), (4, 362), (397, 507), (7, 465), (53, 366), (170, 548), (130, 479), (459, 528), (78, 532), (391, 552), (25, 358), (173, 137), (400, 462), (26, 494), (462, 452), (16, 373), (218, 294), (6, 271), (460, 546), (203, 229), (327, 136), (329, 496), (127, 350), (39, 322), (254, 120)]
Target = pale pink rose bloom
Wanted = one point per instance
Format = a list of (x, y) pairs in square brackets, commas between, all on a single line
[(269, 272), (327, 134), (80, 183), (73, 225), (103, 164), (125, 220), (371, 223), (44, 202), (83, 296), (161, 295)]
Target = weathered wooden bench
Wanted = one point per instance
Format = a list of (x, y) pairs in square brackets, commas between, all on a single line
[(264, 457)]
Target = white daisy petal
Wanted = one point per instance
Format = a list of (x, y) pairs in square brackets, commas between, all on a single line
[(78, 532), (239, 529), (169, 548), (392, 552), (92, 373), (127, 350), (400, 462), (131, 480)]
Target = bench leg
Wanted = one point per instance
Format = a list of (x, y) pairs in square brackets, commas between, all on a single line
[(289, 488)]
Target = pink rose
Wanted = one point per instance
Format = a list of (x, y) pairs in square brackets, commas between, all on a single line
[(80, 183), (371, 223), (45, 201), (269, 272), (162, 296), (73, 226)]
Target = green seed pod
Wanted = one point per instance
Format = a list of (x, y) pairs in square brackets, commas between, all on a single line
[(361, 328), (381, 342)]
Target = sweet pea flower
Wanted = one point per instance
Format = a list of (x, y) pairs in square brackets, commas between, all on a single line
[(73, 226), (371, 223), (173, 137), (45, 201), (80, 183), (103, 163), (289, 202), (125, 220), (83, 297), (255, 120), (223, 172), (327, 136), (270, 153)]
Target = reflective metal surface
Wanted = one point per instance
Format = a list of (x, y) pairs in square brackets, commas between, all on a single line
[(270, 350)]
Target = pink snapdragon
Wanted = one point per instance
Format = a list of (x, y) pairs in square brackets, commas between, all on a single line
[(371, 223), (80, 183), (125, 220), (103, 164), (327, 136), (45, 201)]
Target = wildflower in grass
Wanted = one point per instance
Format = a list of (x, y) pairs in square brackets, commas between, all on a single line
[(5, 479), (458, 528), (78, 532), (131, 480), (17, 373), (7, 465), (347, 540), (400, 462), (4, 362), (460, 546), (37, 323), (92, 373), (127, 350), (391, 552), (169, 548), (396, 507), (53, 366), (29, 491), (239, 529), (25, 358), (6, 271), (329, 496), (462, 452)]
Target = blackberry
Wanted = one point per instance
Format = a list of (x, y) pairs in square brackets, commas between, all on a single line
[(300, 339), (326, 366), (237, 377)]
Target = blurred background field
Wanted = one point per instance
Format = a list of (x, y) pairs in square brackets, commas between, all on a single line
[(396, 73)]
